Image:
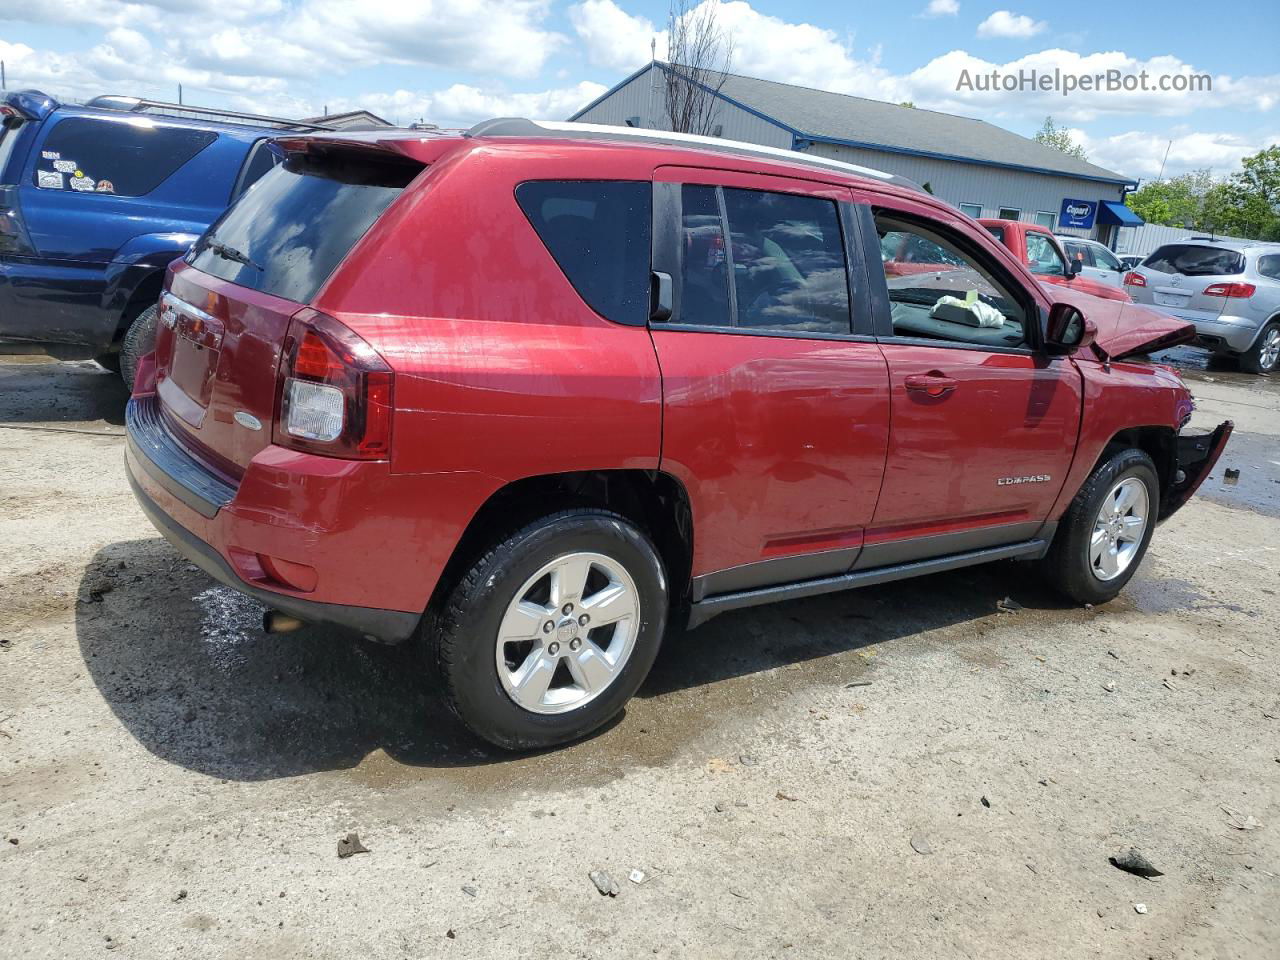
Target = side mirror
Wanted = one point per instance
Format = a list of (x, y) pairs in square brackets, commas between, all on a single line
[(1069, 330), (1074, 267)]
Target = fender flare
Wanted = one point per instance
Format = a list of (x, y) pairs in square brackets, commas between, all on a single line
[(141, 257)]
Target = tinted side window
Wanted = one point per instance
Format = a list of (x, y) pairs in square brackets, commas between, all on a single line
[(1193, 260), (258, 164), (788, 262), (949, 295), (111, 156), (1042, 256), (997, 232), (1269, 266), (598, 233), (1078, 251), (704, 291), (1104, 258)]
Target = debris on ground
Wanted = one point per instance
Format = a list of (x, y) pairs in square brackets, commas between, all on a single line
[(1109, 686), (986, 803), (180, 895), (1113, 655), (747, 760), (470, 891), (1132, 861), (785, 796), (857, 683), (637, 876), (1139, 908), (451, 934), (1238, 821), (350, 845), (720, 808), (1009, 605), (1168, 685), (604, 883), (739, 894), (920, 844), (1231, 476)]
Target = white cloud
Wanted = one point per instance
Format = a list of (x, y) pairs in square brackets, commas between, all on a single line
[(1140, 153), (1003, 23), (461, 105), (614, 38), (940, 8)]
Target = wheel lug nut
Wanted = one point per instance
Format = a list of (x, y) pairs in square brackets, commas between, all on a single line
[(568, 609), (553, 649), (575, 643), (583, 620), (548, 627)]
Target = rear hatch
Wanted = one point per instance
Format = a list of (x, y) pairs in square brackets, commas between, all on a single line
[(1177, 275), (227, 311)]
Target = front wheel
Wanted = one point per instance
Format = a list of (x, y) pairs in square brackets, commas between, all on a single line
[(551, 631), (1264, 355), (1106, 530)]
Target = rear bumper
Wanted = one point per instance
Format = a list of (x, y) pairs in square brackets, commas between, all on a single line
[(227, 530), (1232, 333)]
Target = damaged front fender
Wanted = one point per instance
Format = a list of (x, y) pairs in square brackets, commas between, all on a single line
[(1196, 456)]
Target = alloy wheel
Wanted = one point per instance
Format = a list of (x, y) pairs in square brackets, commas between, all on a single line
[(1270, 352), (568, 633), (1119, 528)]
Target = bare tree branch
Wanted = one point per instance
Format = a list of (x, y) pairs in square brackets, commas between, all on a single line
[(700, 54)]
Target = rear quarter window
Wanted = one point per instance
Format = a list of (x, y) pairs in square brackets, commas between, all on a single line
[(598, 233), (127, 157), (1194, 260), (1269, 266)]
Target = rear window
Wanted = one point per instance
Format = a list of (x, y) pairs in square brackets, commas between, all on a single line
[(1193, 260), (292, 229), (126, 157), (598, 233)]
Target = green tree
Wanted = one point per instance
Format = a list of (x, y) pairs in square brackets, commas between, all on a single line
[(1253, 195), (1051, 135), (1177, 202)]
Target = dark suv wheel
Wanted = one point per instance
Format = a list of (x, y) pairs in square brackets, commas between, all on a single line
[(551, 631), (1104, 533)]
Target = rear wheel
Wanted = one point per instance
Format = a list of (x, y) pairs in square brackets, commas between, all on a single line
[(1106, 530), (551, 631), (1264, 355), (139, 340), (108, 361)]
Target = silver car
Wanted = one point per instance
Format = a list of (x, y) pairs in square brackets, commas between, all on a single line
[(1096, 261), (1230, 289)]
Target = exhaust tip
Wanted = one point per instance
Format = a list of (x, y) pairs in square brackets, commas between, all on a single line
[(273, 621)]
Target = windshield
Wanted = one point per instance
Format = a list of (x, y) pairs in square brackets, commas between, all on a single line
[(1043, 257), (293, 227)]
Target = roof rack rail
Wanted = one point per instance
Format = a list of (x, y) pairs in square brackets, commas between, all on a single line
[(522, 127), (164, 108)]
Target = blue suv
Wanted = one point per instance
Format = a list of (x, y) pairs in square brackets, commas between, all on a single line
[(95, 202)]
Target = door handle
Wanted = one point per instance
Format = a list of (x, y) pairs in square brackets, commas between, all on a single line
[(933, 383)]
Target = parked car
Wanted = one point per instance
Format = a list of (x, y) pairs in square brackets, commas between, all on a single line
[(537, 392), (1098, 262), (95, 201), (1229, 289), (1129, 261), (1044, 256)]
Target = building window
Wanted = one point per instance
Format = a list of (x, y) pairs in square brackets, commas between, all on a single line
[(971, 210), (1010, 213), (1045, 219)]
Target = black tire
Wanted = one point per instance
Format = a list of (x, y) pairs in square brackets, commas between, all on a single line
[(1258, 358), (139, 340), (1068, 565), (108, 361), (464, 632)]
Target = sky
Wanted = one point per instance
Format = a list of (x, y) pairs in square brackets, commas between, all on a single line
[(454, 63)]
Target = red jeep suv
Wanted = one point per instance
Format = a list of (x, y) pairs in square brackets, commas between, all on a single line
[(535, 392)]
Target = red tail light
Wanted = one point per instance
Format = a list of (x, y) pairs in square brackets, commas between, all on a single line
[(1240, 291), (1134, 279), (335, 392)]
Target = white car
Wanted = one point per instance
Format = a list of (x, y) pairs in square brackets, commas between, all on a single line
[(1096, 260)]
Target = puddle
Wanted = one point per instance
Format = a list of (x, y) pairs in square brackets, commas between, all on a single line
[(229, 622)]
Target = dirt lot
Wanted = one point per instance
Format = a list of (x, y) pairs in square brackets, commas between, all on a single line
[(174, 783)]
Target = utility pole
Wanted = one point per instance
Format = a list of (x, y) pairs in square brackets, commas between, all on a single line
[(179, 94), (3, 85), (1160, 176), (653, 68)]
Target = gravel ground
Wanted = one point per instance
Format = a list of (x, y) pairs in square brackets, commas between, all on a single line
[(902, 771)]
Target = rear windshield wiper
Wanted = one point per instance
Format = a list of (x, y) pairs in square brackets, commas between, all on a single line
[(230, 253)]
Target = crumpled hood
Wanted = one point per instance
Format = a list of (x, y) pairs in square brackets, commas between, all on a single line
[(1128, 329)]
